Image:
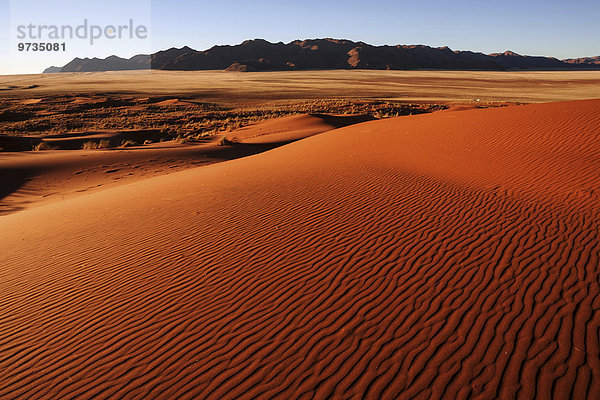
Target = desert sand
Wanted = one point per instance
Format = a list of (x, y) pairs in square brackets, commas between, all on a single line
[(444, 255)]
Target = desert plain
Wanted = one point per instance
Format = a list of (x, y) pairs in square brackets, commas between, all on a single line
[(319, 234)]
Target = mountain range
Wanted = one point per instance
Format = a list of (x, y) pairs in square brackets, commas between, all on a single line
[(261, 55)]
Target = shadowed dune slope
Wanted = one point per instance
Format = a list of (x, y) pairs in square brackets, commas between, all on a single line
[(450, 255)]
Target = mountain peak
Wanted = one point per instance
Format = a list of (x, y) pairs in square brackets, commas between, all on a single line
[(255, 41), (509, 53)]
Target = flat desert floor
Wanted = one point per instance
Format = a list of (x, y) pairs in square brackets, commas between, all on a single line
[(448, 255), (261, 87)]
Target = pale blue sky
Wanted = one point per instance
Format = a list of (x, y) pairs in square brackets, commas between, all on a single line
[(552, 28)]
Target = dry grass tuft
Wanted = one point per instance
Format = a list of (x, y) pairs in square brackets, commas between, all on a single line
[(41, 146), (224, 141), (92, 145), (128, 143)]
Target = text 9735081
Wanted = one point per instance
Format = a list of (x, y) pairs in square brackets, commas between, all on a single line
[(34, 46)]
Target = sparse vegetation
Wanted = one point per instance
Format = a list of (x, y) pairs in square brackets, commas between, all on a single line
[(128, 143), (225, 141), (41, 146), (92, 145), (186, 120)]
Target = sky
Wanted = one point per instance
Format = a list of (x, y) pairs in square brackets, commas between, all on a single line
[(550, 28)]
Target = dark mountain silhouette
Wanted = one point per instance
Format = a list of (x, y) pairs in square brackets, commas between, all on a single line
[(584, 61), (112, 63), (52, 70), (261, 55), (511, 60)]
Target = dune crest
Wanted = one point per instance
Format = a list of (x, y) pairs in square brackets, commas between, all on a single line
[(448, 255)]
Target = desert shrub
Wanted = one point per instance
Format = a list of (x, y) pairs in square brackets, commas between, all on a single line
[(91, 145), (224, 141), (128, 143), (41, 146), (210, 132)]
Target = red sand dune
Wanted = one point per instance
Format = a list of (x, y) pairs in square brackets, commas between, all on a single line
[(450, 255), (296, 127)]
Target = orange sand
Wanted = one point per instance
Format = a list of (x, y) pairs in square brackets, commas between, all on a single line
[(449, 255)]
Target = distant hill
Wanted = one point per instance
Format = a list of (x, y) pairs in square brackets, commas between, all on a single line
[(584, 61), (53, 70), (112, 63), (511, 60), (261, 55)]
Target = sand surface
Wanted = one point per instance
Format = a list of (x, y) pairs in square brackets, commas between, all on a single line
[(448, 255)]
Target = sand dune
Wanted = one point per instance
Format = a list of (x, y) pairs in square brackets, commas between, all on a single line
[(33, 178), (296, 127), (448, 255)]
